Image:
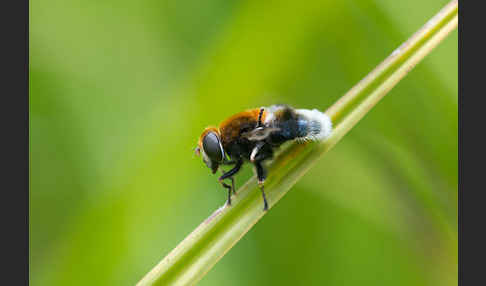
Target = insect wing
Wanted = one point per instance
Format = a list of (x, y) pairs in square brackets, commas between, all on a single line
[(259, 133)]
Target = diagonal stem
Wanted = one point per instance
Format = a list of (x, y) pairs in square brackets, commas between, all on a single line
[(202, 249)]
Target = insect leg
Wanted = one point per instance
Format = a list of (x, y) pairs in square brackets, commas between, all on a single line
[(261, 174), (230, 175), (232, 182), (229, 191), (233, 185), (262, 151), (233, 171), (256, 150)]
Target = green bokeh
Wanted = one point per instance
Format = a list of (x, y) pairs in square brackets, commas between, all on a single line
[(120, 91)]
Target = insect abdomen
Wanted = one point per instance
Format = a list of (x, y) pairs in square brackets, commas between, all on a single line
[(315, 125), (300, 124)]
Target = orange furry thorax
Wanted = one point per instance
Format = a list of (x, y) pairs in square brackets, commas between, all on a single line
[(231, 128)]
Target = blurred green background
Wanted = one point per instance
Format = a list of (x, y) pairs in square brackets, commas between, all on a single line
[(121, 90)]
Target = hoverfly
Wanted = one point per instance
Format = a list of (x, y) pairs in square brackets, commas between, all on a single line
[(253, 135)]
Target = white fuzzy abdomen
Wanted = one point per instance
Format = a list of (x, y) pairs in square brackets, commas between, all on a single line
[(319, 124)]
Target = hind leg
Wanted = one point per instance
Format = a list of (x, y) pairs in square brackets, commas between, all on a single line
[(261, 174), (260, 153)]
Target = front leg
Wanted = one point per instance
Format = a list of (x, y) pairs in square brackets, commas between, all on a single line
[(232, 182), (227, 162), (230, 175), (229, 191)]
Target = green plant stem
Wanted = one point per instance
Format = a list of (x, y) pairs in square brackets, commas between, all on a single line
[(202, 249)]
